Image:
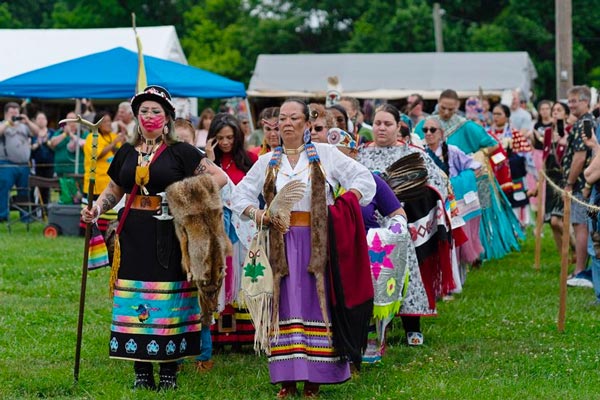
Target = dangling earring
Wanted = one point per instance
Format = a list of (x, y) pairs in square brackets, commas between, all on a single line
[(139, 131), (166, 130), (306, 136)]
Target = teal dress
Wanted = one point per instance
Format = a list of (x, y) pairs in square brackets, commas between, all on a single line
[(499, 225)]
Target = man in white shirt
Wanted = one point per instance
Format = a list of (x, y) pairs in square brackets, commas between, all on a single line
[(519, 118), (124, 121)]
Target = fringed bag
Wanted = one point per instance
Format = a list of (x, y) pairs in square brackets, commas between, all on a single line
[(257, 290), (98, 253), (116, 258)]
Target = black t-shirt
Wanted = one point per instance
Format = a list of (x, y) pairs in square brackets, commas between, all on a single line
[(540, 127), (176, 162)]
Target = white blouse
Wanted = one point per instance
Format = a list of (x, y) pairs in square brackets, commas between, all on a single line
[(339, 170)]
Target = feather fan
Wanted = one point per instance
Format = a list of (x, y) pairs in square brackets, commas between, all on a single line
[(281, 207)]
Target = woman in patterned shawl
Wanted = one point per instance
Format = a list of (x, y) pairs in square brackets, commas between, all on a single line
[(428, 222)]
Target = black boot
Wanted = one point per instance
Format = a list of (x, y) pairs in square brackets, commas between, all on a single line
[(144, 381), (144, 376), (167, 376)]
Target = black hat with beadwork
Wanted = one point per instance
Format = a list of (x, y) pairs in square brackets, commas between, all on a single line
[(154, 93)]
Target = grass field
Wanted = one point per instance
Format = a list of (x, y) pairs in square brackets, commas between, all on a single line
[(497, 340)]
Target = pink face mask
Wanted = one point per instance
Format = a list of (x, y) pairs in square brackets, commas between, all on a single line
[(153, 123)]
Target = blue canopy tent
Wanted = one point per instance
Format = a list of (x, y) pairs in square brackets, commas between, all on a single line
[(112, 74)]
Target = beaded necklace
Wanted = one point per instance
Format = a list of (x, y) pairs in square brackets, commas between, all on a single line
[(311, 153), (291, 152), (142, 170)]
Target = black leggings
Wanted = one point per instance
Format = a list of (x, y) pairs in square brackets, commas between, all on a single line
[(411, 324), (166, 368)]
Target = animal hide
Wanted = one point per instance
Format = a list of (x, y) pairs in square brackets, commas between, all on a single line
[(198, 218), (109, 237), (277, 256), (318, 236)]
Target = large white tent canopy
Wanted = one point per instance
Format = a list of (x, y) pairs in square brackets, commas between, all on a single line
[(392, 75), (31, 49)]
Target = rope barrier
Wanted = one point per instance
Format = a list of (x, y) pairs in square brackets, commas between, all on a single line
[(569, 194)]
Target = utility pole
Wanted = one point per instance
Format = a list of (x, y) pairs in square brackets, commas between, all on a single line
[(564, 48), (437, 27)]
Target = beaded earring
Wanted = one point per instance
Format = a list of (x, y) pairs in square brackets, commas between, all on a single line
[(306, 136)]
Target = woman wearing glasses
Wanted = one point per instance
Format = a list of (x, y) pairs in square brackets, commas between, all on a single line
[(322, 120), (462, 171)]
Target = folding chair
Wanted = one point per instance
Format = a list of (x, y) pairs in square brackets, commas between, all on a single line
[(31, 210)]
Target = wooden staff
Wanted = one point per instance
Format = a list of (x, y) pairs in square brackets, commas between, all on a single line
[(564, 264), (88, 234), (539, 227)]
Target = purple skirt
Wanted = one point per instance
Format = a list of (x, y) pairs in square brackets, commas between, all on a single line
[(303, 351)]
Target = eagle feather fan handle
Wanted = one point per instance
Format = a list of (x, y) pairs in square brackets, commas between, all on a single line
[(281, 207)]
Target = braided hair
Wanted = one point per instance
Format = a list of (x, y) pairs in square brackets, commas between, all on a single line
[(445, 157)]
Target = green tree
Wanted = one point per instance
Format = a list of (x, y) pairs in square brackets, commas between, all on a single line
[(117, 13), (226, 36), (214, 34), (6, 19), (404, 26), (26, 13)]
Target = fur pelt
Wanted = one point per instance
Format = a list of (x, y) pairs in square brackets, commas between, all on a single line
[(277, 256), (197, 212), (318, 236), (109, 237)]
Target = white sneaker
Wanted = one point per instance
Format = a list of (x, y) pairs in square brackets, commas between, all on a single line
[(580, 282), (414, 338)]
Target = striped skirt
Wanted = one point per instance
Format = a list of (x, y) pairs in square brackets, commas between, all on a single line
[(303, 351), (155, 321)]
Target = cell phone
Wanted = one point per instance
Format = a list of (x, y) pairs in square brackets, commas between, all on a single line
[(560, 127), (17, 118), (587, 128)]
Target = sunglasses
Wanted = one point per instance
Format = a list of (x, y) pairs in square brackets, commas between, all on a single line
[(432, 129), (318, 128)]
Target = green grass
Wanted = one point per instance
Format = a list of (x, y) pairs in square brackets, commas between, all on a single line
[(497, 340)]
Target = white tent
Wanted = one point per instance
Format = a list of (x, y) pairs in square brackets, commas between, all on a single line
[(30, 49), (392, 75)]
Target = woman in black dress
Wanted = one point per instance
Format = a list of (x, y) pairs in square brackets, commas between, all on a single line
[(155, 311)]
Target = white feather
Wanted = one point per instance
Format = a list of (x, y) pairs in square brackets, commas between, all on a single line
[(281, 207)]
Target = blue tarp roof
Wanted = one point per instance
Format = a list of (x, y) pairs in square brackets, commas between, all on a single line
[(112, 74)]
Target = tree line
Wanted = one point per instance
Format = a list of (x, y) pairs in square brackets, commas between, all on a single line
[(226, 36)]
